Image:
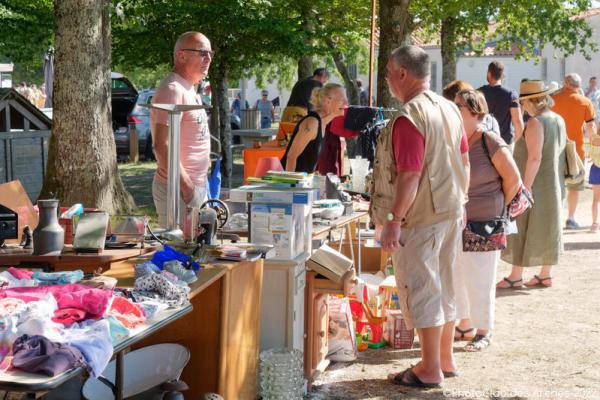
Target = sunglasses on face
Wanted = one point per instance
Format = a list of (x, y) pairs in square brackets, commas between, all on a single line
[(201, 52)]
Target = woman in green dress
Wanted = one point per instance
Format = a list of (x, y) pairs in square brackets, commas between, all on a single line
[(540, 156)]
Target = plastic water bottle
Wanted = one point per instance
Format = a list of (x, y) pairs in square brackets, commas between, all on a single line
[(75, 209)]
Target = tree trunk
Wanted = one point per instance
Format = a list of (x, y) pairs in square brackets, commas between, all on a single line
[(395, 27), (305, 62), (220, 126), (448, 48), (82, 163), (305, 67), (340, 63)]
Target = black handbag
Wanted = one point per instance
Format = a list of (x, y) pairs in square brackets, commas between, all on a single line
[(487, 235), (484, 235)]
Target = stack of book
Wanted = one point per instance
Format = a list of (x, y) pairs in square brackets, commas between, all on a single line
[(227, 252), (284, 179)]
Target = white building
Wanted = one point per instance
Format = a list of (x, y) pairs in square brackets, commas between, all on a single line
[(552, 67)]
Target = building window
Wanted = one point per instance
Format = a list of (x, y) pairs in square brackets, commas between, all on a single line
[(433, 82)]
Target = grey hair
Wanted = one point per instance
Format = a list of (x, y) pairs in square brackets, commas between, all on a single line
[(414, 59), (182, 40), (573, 79)]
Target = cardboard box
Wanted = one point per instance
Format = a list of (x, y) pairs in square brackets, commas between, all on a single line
[(269, 195), (288, 227), (278, 216), (395, 332)]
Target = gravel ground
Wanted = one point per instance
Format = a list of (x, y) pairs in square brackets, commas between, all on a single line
[(546, 341)]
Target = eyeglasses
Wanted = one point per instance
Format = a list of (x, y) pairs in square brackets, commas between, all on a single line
[(202, 52), (265, 94)]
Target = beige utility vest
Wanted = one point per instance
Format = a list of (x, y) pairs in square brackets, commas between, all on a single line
[(442, 185)]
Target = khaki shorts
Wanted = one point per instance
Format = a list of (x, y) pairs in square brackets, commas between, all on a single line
[(424, 273)]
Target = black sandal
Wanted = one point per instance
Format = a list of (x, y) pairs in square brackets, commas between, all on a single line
[(511, 284), (463, 334), (409, 378)]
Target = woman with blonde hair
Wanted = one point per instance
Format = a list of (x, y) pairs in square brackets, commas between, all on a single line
[(303, 150), (494, 182), (540, 156)]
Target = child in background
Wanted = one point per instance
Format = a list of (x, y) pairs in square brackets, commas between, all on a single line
[(595, 180)]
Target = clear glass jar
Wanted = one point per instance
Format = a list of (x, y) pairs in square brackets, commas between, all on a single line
[(281, 374)]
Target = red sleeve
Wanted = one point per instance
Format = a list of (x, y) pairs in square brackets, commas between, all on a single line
[(409, 146), (464, 143)]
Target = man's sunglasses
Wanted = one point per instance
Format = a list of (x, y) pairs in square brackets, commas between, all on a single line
[(203, 53)]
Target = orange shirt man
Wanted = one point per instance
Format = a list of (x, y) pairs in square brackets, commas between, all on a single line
[(577, 111)]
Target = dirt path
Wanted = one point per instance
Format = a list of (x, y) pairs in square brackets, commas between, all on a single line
[(546, 341)]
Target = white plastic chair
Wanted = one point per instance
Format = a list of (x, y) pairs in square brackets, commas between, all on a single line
[(144, 369)]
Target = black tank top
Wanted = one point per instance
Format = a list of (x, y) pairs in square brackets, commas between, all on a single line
[(307, 160)]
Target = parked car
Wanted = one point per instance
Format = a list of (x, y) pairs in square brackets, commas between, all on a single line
[(140, 118), (127, 112)]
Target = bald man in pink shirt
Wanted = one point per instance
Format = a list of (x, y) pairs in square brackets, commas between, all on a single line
[(192, 56)]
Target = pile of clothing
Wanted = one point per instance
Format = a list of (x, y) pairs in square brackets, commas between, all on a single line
[(358, 121), (52, 322)]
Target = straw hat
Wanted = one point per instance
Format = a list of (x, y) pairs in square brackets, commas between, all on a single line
[(530, 89)]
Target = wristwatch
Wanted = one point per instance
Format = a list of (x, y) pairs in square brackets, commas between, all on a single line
[(391, 217)]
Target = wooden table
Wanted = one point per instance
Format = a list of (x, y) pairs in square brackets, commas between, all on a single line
[(248, 136), (222, 331), (69, 260)]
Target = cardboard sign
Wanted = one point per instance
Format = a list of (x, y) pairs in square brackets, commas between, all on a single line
[(13, 196)]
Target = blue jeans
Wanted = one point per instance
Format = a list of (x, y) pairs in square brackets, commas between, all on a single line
[(265, 122)]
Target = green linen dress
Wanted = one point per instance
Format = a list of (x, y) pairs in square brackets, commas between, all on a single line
[(539, 237)]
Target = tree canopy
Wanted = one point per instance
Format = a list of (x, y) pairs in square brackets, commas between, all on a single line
[(26, 31), (524, 26)]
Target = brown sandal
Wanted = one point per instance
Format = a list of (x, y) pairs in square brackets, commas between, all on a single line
[(539, 282), (511, 284)]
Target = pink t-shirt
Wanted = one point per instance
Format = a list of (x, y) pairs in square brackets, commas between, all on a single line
[(194, 141), (409, 146)]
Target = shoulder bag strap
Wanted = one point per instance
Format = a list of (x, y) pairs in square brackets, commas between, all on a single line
[(487, 152), (485, 148)]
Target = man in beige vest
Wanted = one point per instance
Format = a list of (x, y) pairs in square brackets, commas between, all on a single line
[(420, 184)]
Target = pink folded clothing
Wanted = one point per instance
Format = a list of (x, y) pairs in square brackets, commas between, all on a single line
[(20, 273), (72, 295), (67, 316), (128, 313)]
